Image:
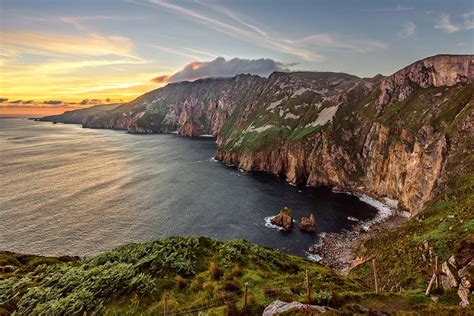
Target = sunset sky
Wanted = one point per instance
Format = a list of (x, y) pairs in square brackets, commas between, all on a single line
[(65, 54)]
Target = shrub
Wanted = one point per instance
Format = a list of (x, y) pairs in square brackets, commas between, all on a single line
[(450, 297), (181, 282), (215, 271), (270, 291), (237, 271), (231, 286)]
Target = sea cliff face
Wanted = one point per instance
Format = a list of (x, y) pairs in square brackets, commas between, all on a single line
[(389, 137)]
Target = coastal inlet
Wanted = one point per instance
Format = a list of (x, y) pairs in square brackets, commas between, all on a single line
[(69, 190)]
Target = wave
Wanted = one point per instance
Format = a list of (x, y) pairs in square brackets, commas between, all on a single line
[(313, 257), (268, 223)]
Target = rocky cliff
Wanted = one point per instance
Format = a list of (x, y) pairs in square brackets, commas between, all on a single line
[(389, 137)]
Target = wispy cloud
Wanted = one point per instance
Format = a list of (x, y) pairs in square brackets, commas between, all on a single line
[(65, 64), (228, 22), (242, 31), (397, 8), (445, 24), (337, 42), (57, 44), (408, 29)]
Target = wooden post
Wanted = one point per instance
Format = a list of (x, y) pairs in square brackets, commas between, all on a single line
[(308, 288), (428, 290), (165, 305), (246, 295), (375, 276), (436, 272)]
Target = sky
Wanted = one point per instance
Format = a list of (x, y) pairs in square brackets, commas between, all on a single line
[(58, 55)]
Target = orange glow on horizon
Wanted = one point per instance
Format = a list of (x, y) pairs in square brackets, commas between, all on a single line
[(31, 112), (50, 68)]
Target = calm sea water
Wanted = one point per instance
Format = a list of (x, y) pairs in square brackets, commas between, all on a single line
[(68, 190)]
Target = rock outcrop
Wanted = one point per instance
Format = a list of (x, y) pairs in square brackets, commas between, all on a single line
[(308, 224), (283, 308), (458, 275), (437, 71), (284, 219)]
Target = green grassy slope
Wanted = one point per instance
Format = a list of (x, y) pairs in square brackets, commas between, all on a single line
[(191, 272)]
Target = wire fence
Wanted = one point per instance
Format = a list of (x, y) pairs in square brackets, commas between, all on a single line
[(269, 294), (250, 307)]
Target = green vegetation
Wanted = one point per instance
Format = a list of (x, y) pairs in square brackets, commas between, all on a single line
[(302, 132), (191, 272), (287, 211)]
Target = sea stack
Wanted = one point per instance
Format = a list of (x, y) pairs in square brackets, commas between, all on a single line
[(284, 219), (308, 224)]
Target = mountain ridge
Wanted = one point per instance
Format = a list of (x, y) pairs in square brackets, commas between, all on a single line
[(312, 127)]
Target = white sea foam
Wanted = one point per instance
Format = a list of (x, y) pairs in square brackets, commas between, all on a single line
[(268, 223), (384, 211), (313, 257), (352, 219)]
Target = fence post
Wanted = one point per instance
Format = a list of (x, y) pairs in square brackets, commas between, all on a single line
[(436, 272), (246, 295), (308, 287), (165, 305), (375, 276)]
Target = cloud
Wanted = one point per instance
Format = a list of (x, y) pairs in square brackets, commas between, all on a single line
[(220, 67), (161, 79), (468, 20), (57, 43), (338, 42), (223, 20), (444, 23), (397, 8), (92, 101), (2, 100), (408, 29), (53, 102)]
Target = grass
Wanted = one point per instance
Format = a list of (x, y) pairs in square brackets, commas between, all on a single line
[(190, 271)]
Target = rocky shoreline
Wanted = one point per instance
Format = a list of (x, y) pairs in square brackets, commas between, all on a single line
[(337, 250)]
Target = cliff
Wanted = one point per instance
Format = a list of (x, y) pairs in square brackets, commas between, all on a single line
[(389, 137)]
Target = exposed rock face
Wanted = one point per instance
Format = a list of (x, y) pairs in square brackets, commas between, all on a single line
[(457, 273), (449, 279), (384, 149), (437, 71), (188, 108), (284, 219), (308, 224), (466, 275), (387, 137), (279, 307)]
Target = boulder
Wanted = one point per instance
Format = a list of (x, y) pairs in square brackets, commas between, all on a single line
[(279, 307), (284, 219), (463, 294), (449, 278), (467, 273), (308, 224)]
